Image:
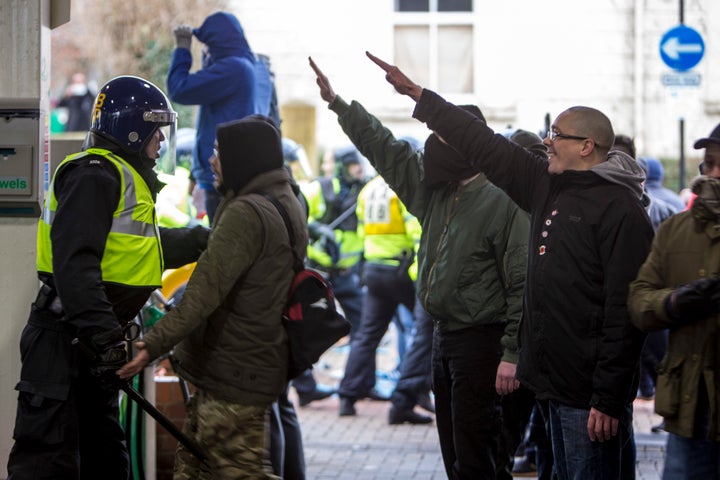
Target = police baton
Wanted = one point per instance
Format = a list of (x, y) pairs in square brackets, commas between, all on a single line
[(165, 422), (150, 409)]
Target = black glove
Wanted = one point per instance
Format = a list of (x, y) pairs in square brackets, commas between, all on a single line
[(110, 355), (694, 301), (183, 36)]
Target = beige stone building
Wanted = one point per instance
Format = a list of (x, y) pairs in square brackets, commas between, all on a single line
[(519, 60)]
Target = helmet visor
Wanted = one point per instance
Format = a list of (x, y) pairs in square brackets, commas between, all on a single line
[(163, 117), (166, 122)]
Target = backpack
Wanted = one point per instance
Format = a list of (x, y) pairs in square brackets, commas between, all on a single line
[(311, 317)]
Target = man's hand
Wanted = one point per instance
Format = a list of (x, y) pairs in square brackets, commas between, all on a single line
[(397, 79), (183, 36), (505, 381), (326, 91), (132, 368), (601, 426)]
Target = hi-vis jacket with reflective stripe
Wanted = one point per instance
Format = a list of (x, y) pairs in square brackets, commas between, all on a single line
[(134, 229), (391, 233)]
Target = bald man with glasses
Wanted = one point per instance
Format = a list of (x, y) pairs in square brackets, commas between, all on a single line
[(590, 233)]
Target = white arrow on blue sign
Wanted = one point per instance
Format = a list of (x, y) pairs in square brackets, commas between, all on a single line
[(681, 48)]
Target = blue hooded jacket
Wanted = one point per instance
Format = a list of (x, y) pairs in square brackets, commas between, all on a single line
[(231, 84)]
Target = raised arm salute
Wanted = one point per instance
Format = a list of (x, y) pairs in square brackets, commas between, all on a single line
[(473, 241), (589, 235)]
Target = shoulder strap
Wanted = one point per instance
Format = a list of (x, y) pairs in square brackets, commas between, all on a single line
[(298, 265)]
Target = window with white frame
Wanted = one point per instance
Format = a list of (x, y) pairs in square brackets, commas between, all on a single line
[(434, 43)]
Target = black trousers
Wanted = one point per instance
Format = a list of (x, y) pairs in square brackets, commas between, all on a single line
[(66, 427), (468, 409), (386, 289), (415, 375), (286, 448), (516, 412)]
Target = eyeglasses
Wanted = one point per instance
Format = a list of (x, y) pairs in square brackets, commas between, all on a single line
[(215, 152), (555, 136)]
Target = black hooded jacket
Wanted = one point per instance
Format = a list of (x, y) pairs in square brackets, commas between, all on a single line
[(589, 235)]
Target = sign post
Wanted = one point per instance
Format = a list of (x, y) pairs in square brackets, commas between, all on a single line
[(681, 48)]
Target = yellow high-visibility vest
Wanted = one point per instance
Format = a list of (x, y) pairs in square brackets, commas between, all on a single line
[(390, 231), (133, 253)]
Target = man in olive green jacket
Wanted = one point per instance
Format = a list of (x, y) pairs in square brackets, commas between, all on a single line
[(678, 287), (227, 331), (471, 257)]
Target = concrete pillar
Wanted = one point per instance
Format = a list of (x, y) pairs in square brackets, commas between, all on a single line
[(25, 81)]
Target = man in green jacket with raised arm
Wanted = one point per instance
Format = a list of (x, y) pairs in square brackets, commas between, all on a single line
[(471, 278)]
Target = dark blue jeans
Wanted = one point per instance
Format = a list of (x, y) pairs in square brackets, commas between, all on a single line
[(694, 458), (691, 458), (577, 458), (468, 409), (386, 289), (415, 377)]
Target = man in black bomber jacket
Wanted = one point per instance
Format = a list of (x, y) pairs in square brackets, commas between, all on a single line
[(590, 233)]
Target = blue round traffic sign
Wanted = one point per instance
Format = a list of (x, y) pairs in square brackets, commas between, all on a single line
[(681, 48)]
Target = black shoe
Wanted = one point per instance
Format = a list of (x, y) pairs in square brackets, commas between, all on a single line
[(660, 427), (347, 407), (318, 394), (376, 395), (425, 402), (523, 467), (397, 416)]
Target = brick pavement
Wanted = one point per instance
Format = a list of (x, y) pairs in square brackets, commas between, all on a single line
[(365, 447)]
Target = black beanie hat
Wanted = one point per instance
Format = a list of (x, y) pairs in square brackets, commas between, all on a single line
[(247, 148)]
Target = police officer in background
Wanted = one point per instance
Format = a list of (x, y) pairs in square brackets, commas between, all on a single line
[(336, 246), (390, 235), (100, 253)]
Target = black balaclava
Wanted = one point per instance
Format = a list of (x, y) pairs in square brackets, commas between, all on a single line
[(444, 163), (247, 148)]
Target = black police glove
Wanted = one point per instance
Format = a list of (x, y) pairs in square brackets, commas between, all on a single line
[(695, 301), (110, 355)]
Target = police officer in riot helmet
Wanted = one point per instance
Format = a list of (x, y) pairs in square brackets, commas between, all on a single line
[(100, 254)]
